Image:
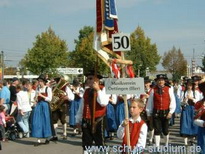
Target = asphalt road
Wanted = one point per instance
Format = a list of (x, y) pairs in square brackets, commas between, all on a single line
[(73, 144)]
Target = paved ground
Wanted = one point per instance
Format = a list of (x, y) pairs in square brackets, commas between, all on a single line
[(73, 144)]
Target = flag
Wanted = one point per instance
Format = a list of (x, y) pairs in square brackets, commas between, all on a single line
[(106, 26)]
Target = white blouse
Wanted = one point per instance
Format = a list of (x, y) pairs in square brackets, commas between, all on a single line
[(43, 90)]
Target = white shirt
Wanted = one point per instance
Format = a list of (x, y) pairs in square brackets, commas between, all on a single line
[(191, 93), (43, 90), (142, 136), (69, 93), (150, 102), (199, 122), (102, 99), (23, 101)]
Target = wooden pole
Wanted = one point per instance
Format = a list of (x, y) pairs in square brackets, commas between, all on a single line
[(94, 99), (127, 129)]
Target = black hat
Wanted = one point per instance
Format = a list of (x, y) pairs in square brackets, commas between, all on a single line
[(15, 79), (196, 78), (160, 76), (57, 79), (165, 77), (92, 72), (189, 81), (42, 77), (147, 79), (76, 82)]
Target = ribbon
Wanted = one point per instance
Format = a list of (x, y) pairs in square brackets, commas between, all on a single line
[(130, 72), (115, 69)]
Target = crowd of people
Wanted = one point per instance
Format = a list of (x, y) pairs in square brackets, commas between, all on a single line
[(37, 107)]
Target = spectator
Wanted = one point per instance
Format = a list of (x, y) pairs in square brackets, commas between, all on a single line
[(5, 95), (24, 109)]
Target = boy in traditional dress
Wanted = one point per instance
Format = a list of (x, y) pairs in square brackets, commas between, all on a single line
[(138, 128)]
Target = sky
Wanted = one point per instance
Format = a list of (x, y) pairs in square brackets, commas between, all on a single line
[(168, 23)]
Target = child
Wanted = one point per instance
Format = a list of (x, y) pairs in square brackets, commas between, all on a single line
[(2, 122), (138, 128)]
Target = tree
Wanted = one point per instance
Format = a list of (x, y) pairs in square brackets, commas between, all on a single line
[(48, 53), (10, 70), (84, 56), (174, 62), (143, 54)]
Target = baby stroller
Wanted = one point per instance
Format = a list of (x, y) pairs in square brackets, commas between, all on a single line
[(11, 131)]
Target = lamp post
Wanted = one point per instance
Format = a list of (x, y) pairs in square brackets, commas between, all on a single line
[(188, 71), (139, 70), (2, 67), (147, 71)]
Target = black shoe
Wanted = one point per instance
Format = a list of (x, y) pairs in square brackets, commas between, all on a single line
[(47, 141), (54, 138), (37, 144), (64, 137), (111, 138)]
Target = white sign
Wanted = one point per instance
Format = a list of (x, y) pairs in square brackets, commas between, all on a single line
[(124, 86), (70, 70), (121, 42)]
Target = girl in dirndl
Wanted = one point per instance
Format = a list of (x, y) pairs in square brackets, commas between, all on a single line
[(42, 126), (187, 127)]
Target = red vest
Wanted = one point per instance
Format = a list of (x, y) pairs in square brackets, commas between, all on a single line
[(41, 98), (199, 110), (99, 110), (134, 133), (44, 94), (161, 101)]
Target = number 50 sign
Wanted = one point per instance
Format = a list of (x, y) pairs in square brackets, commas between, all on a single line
[(120, 42)]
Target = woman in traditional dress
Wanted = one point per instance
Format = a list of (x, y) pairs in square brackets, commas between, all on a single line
[(187, 128), (42, 126), (78, 91)]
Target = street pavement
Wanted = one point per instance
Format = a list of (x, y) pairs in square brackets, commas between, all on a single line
[(73, 144)]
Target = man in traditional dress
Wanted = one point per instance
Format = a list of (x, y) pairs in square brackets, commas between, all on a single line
[(92, 111), (161, 105), (61, 112)]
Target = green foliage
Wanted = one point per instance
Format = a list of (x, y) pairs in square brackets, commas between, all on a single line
[(48, 53), (174, 62), (143, 53), (84, 56)]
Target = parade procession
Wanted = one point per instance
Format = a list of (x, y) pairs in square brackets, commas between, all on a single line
[(107, 96)]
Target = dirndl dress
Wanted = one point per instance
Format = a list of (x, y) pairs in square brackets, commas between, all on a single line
[(41, 121), (111, 119), (187, 126), (74, 106), (120, 113)]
